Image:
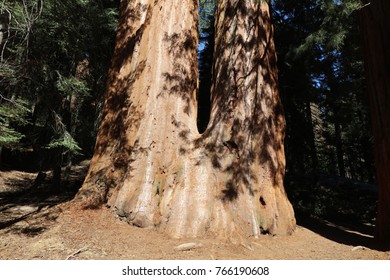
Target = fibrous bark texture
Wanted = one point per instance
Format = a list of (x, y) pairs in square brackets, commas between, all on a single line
[(151, 164), (375, 26)]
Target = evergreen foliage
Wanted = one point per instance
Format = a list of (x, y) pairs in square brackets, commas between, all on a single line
[(12, 114), (54, 61), (322, 85)]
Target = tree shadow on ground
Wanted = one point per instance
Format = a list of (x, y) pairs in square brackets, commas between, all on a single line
[(337, 208), (341, 231), (28, 209)]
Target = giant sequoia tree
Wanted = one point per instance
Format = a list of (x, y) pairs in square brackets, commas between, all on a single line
[(151, 164), (376, 45)]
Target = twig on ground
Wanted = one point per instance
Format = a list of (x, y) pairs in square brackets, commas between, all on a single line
[(77, 252)]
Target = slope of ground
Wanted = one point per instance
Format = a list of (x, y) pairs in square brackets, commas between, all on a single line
[(39, 223)]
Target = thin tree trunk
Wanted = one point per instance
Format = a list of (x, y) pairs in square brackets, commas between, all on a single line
[(57, 169), (339, 147), (375, 26), (5, 21), (312, 135), (151, 164), (75, 103), (1, 35), (1, 156)]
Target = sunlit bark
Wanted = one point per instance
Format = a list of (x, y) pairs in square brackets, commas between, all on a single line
[(152, 166)]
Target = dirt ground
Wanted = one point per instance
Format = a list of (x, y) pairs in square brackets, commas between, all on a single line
[(39, 223)]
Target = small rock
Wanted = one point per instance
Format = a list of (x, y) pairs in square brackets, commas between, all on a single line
[(27, 208), (188, 246), (358, 248)]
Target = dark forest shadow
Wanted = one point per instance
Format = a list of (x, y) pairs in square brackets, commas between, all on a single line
[(343, 232), (27, 208), (205, 64), (339, 209)]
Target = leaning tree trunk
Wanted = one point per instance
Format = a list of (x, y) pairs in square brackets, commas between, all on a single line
[(151, 164), (375, 26)]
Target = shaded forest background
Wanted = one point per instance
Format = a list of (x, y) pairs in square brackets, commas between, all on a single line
[(54, 57)]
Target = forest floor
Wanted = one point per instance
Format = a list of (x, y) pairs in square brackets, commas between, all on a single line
[(37, 223)]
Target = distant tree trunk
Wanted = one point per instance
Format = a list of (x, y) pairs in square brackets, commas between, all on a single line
[(312, 136), (1, 35), (3, 30), (375, 27), (339, 146), (5, 19), (151, 164), (75, 103)]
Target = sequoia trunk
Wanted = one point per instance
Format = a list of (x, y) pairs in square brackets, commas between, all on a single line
[(151, 164), (375, 26)]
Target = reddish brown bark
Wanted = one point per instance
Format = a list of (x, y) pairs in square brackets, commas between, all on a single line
[(151, 164), (375, 27), (246, 113)]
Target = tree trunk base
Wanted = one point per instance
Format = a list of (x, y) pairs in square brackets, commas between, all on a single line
[(193, 197)]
